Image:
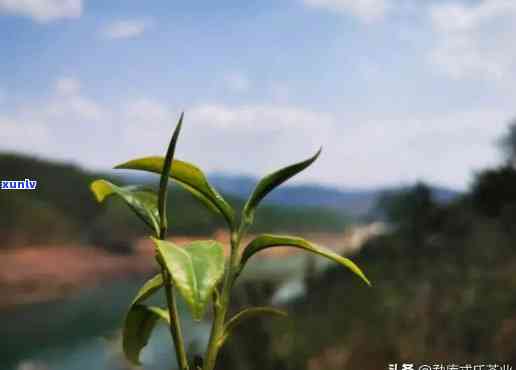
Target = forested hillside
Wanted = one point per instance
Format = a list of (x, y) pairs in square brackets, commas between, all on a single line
[(63, 209), (444, 291)]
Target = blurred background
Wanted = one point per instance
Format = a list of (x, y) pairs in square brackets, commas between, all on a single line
[(413, 103)]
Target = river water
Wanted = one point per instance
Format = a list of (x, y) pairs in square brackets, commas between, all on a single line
[(82, 332)]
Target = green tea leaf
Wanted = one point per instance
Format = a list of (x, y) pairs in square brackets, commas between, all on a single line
[(162, 313), (248, 313), (141, 319), (268, 241), (163, 184), (271, 181), (195, 270), (138, 326), (144, 202), (149, 288), (191, 178)]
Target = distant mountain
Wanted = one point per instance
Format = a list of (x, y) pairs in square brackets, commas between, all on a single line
[(355, 202), (62, 209)]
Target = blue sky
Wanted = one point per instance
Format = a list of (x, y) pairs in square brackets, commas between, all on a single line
[(394, 90)]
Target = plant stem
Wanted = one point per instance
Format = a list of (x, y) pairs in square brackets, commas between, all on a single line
[(175, 325), (221, 307)]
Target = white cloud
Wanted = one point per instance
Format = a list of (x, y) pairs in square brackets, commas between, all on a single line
[(77, 108), (254, 138), (124, 29), (237, 82), (147, 110), (68, 86), (60, 125), (458, 16), (43, 11), (367, 10), (71, 126), (259, 118), (237, 138), (361, 149), (17, 134), (67, 103), (441, 148), (280, 92), (475, 40)]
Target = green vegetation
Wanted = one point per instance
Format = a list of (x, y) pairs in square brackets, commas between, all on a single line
[(61, 210), (445, 290), (450, 298), (199, 271)]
